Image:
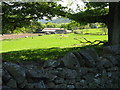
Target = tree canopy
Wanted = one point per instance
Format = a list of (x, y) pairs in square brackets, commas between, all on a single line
[(18, 14)]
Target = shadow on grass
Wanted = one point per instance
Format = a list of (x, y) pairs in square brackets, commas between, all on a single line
[(42, 54)]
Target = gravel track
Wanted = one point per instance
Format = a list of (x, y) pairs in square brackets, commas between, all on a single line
[(15, 36)]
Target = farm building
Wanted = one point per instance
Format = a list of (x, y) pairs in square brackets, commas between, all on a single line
[(69, 31), (54, 30)]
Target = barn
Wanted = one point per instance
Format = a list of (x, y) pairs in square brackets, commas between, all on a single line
[(54, 30)]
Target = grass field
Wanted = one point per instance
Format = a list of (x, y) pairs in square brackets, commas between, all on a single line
[(44, 47), (48, 41), (94, 31)]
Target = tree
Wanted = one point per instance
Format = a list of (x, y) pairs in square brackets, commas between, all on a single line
[(74, 25), (50, 25), (16, 14), (96, 12), (20, 14), (113, 23), (0, 18), (34, 26)]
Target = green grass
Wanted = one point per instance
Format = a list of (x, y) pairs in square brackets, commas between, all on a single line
[(42, 54), (92, 31), (44, 47), (47, 41)]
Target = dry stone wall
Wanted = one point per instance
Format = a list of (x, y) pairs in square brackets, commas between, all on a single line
[(83, 69)]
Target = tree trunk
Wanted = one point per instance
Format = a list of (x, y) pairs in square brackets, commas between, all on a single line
[(114, 24)]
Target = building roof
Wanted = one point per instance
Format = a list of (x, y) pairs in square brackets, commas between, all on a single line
[(69, 30), (49, 30), (52, 29)]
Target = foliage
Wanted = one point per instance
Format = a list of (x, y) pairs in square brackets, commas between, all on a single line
[(96, 5), (73, 25), (70, 26), (50, 25), (18, 14), (33, 27), (92, 13), (102, 25), (19, 30)]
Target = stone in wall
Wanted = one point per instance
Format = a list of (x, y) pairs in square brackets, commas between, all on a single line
[(90, 57), (111, 50), (16, 71), (70, 60), (51, 63)]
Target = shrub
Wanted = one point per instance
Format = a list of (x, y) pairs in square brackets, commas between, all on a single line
[(77, 32)]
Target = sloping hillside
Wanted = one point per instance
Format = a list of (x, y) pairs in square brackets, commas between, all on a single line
[(61, 20), (58, 20)]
